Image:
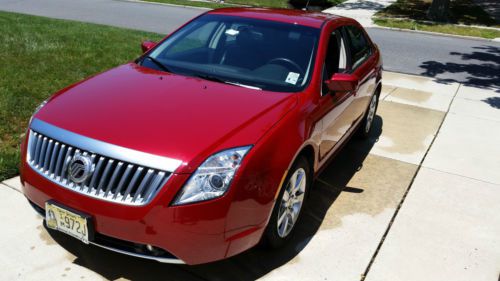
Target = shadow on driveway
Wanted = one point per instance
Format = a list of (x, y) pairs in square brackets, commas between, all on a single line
[(482, 67), (493, 102), (253, 263)]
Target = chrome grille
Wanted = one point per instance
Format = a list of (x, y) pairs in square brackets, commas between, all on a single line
[(111, 179)]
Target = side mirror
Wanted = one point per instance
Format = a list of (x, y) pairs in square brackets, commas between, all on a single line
[(147, 45), (341, 82)]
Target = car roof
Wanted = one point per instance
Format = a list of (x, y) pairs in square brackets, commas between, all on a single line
[(306, 18)]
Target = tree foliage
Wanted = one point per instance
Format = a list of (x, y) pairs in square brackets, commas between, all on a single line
[(439, 10)]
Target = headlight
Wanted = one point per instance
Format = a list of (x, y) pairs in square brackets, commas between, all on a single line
[(213, 177)]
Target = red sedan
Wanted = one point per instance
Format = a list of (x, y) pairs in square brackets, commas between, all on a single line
[(210, 141)]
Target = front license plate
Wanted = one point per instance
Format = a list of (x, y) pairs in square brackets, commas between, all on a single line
[(69, 222)]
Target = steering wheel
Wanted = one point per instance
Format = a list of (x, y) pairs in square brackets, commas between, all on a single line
[(289, 62)]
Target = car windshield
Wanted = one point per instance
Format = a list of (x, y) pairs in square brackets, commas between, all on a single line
[(246, 52)]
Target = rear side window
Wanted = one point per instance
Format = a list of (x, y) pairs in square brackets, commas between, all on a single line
[(358, 44)]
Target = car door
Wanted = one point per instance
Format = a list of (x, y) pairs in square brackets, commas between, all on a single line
[(363, 65), (339, 115)]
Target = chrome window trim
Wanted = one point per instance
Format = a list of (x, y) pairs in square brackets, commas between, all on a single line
[(107, 149)]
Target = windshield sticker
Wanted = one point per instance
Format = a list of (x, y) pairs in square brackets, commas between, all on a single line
[(292, 78), (294, 35), (232, 32)]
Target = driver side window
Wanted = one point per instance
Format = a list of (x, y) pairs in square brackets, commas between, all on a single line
[(336, 58), (358, 45)]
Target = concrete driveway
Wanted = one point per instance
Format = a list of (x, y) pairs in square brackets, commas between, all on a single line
[(417, 201)]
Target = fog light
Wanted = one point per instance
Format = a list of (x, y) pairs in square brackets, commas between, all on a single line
[(149, 247)]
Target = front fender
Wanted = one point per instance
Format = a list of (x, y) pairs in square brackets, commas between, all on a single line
[(265, 167)]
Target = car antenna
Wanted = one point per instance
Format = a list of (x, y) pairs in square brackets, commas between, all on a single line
[(307, 6)]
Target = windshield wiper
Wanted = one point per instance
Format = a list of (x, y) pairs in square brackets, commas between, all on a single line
[(158, 63), (219, 80), (244, 86), (210, 78)]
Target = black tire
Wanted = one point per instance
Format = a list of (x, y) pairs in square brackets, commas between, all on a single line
[(271, 238), (364, 130)]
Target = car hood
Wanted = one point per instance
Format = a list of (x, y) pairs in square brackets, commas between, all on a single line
[(169, 115)]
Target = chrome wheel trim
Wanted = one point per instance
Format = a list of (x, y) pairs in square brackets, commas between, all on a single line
[(371, 113), (291, 202)]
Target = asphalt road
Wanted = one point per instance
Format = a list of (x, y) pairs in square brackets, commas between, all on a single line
[(141, 16), (449, 59)]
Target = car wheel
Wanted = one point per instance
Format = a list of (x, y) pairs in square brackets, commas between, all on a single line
[(289, 204), (366, 126)]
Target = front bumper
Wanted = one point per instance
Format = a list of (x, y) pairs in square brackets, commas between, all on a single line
[(125, 247), (191, 234)]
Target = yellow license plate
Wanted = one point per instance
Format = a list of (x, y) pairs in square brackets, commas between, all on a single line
[(66, 221)]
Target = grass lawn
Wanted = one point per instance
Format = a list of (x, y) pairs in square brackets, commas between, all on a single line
[(412, 14), (40, 56), (254, 3)]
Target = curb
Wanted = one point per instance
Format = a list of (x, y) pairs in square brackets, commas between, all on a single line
[(12, 183), (434, 33), (181, 6), (165, 4), (408, 74), (3, 185), (431, 22)]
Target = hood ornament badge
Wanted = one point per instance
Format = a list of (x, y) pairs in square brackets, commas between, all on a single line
[(79, 168)]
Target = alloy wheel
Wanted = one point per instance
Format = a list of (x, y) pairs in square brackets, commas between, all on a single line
[(371, 113), (291, 202)]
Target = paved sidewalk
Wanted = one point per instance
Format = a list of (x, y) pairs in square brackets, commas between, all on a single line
[(360, 10), (449, 226)]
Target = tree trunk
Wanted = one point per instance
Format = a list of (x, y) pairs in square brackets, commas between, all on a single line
[(439, 10)]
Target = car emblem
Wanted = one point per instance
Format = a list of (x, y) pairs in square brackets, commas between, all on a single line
[(80, 168)]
